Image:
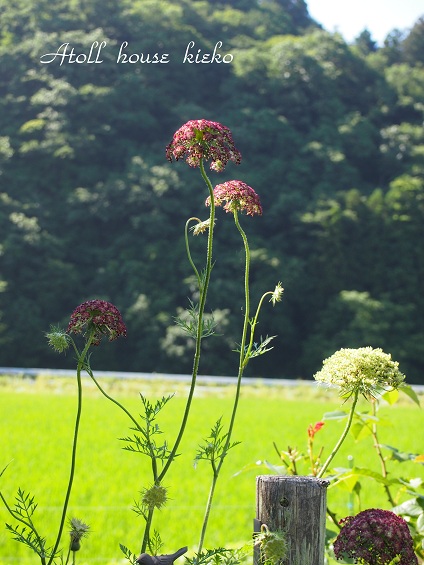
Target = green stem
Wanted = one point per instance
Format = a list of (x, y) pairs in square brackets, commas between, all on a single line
[(203, 288), (153, 458), (208, 510), (202, 303), (253, 326), (242, 365), (384, 471), (188, 249), (342, 437), (90, 373), (80, 365), (149, 517)]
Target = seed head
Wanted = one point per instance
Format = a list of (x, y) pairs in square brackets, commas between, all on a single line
[(58, 339), (78, 530), (154, 497)]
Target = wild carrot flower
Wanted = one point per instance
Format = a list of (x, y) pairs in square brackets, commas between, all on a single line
[(365, 370), (98, 315), (236, 195), (202, 139), (375, 537)]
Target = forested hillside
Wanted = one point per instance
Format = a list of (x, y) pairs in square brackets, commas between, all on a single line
[(91, 92)]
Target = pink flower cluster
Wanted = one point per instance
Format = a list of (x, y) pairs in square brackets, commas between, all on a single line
[(99, 315), (375, 537), (236, 195), (202, 139)]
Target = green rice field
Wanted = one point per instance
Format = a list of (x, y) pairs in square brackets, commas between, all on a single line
[(36, 431)]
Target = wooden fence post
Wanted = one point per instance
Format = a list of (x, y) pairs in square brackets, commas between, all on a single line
[(297, 506)]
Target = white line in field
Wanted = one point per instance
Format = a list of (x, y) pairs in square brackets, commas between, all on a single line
[(204, 379)]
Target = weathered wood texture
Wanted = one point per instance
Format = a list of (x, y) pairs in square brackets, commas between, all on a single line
[(297, 506)]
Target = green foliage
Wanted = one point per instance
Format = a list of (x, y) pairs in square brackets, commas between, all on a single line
[(108, 478), (215, 446), (89, 206), (144, 441)]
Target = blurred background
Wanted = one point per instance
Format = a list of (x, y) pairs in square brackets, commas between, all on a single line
[(331, 133)]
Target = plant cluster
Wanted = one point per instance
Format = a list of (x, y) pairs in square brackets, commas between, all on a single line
[(198, 142), (372, 374)]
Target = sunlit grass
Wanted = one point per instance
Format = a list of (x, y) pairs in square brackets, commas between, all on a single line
[(36, 425)]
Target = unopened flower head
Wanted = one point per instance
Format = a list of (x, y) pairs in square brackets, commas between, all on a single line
[(98, 315), (78, 530), (203, 139), (236, 195), (375, 537), (364, 370), (277, 295), (154, 497), (273, 545), (58, 339), (201, 227)]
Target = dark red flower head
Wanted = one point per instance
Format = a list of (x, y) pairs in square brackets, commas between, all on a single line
[(375, 537), (99, 315), (202, 139), (236, 195)]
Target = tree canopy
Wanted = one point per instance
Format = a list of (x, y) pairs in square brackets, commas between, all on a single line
[(332, 141)]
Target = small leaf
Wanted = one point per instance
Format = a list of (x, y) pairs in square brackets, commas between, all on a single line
[(410, 507), (336, 415), (391, 396), (420, 523), (400, 456), (409, 391), (5, 468)]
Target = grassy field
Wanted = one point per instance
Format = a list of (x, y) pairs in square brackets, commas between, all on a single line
[(36, 427)]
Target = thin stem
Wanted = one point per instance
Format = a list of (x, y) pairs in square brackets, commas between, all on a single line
[(342, 437), (90, 373), (146, 536), (208, 510), (188, 250), (202, 302), (122, 407), (253, 326), (203, 289), (80, 365), (69, 553), (243, 355), (384, 471), (242, 364)]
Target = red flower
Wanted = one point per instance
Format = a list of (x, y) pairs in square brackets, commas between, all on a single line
[(237, 195), (375, 537), (202, 139), (99, 315), (312, 430)]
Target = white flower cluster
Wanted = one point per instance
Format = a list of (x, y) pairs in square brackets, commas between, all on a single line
[(364, 370)]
